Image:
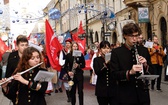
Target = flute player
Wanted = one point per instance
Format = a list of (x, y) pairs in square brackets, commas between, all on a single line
[(23, 90), (125, 70)]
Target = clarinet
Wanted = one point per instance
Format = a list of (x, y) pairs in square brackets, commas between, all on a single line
[(137, 56), (71, 82), (145, 82)]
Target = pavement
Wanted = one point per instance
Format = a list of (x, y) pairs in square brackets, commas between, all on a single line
[(157, 98)]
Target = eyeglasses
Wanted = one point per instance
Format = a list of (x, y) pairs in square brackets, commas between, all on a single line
[(134, 35)]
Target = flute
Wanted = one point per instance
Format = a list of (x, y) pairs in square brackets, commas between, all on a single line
[(10, 78)]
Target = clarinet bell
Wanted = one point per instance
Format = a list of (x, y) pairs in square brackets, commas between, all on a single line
[(71, 83)]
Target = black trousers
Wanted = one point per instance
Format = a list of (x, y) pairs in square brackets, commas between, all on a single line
[(77, 83), (106, 100), (157, 70)]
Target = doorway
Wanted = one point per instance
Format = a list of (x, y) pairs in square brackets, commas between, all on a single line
[(163, 29)]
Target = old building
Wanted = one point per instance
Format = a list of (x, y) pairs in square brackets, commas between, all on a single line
[(124, 10)]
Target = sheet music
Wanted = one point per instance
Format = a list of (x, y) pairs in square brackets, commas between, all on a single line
[(148, 44), (44, 76), (148, 77), (107, 57), (76, 53)]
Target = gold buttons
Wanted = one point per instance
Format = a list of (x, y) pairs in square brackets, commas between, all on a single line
[(29, 79), (29, 100), (29, 91)]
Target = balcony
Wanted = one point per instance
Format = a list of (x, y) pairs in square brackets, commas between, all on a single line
[(136, 3)]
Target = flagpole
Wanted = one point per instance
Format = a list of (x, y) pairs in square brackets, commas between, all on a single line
[(86, 21)]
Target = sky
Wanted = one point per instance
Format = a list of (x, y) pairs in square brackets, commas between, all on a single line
[(25, 9)]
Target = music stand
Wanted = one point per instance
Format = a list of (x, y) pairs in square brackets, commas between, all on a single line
[(44, 76), (148, 77)]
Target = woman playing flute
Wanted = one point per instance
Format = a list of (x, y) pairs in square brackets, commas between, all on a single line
[(23, 90)]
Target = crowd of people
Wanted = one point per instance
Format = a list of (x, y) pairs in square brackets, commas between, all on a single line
[(117, 77)]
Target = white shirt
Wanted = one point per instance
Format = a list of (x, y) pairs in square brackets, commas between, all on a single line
[(61, 60)]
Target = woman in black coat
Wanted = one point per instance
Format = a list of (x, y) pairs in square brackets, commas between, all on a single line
[(23, 90), (105, 86), (74, 69)]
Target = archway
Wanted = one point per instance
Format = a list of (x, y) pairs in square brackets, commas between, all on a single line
[(149, 31), (163, 29), (114, 37), (96, 36)]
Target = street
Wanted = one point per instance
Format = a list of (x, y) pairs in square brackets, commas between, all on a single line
[(157, 98)]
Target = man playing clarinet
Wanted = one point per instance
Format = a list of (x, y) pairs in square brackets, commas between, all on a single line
[(128, 62)]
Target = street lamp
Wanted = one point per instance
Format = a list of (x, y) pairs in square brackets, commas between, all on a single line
[(7, 29)]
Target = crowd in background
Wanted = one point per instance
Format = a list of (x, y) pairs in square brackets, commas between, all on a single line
[(114, 77)]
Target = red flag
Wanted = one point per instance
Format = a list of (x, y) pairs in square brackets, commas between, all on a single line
[(80, 30), (87, 66), (53, 47), (3, 48), (82, 44), (28, 38), (75, 37)]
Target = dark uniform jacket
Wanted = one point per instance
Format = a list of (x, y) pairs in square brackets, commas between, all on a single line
[(13, 61), (130, 89), (105, 86), (27, 95), (69, 63)]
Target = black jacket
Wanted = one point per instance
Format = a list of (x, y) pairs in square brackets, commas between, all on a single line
[(69, 63), (106, 85), (13, 61), (129, 90), (27, 95)]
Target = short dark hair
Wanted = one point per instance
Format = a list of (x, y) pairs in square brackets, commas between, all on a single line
[(21, 38), (130, 28), (104, 44)]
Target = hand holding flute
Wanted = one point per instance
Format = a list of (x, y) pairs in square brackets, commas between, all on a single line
[(17, 75)]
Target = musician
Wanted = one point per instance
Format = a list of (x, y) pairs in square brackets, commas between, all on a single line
[(126, 69), (63, 72), (23, 90), (105, 86), (14, 57), (78, 77)]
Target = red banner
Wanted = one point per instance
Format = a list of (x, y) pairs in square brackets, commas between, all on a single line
[(87, 66), (3, 48), (53, 47)]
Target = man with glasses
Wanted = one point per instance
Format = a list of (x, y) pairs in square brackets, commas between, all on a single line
[(128, 62)]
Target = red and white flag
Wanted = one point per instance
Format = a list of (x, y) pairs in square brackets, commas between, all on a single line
[(82, 44), (53, 47), (3, 48)]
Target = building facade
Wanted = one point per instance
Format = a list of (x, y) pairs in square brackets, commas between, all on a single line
[(123, 9)]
